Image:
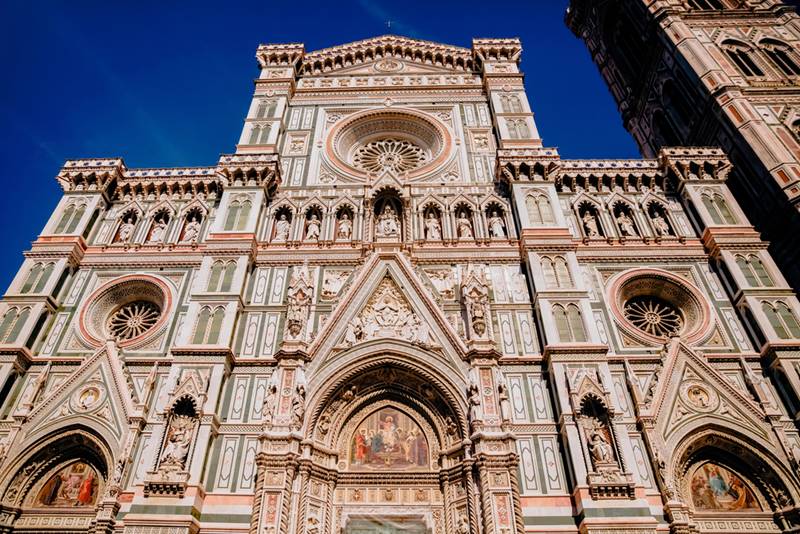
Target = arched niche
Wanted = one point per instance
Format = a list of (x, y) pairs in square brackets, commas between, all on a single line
[(65, 473)]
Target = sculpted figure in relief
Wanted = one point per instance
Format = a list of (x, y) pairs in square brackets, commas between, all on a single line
[(298, 407), (433, 229), (626, 225), (282, 226), (599, 447), (497, 228), (505, 403), (661, 225), (344, 231), (178, 443), (312, 228), (388, 224), (474, 399), (268, 406), (475, 292), (464, 226), (590, 224), (157, 233), (192, 231), (126, 230), (299, 302)]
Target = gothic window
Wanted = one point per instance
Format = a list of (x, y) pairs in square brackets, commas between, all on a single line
[(556, 272), (706, 4), (511, 104), (539, 211), (569, 323), (518, 129), (12, 324), (782, 319), (70, 218), (259, 135), (754, 271), (209, 324), (718, 208), (782, 56), (37, 278), (238, 213), (266, 109), (742, 57), (221, 276)]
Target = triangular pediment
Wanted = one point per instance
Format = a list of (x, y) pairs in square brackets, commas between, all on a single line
[(690, 393), (389, 54), (98, 393), (387, 300)]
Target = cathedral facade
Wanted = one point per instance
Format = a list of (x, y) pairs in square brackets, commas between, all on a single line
[(393, 310)]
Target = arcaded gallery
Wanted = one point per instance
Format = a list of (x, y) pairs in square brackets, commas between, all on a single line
[(394, 310)]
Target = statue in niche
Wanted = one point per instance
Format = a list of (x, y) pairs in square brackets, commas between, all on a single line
[(344, 231), (282, 228), (268, 406), (192, 231), (464, 226), (505, 403), (661, 225), (474, 400), (313, 228), (497, 228), (298, 298), (388, 223), (157, 233), (599, 447), (626, 225), (298, 406), (475, 292), (179, 440), (126, 230), (433, 228), (590, 224)]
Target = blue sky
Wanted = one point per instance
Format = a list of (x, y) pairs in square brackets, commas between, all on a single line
[(167, 83)]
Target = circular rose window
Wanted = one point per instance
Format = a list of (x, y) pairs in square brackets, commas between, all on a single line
[(129, 309), (399, 141), (652, 305)]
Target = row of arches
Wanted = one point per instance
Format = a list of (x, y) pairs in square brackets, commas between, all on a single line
[(160, 224), (622, 219)]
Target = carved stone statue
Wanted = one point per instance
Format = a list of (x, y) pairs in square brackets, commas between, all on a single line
[(661, 225), (626, 225), (282, 226), (599, 447), (354, 332), (312, 228), (157, 233), (344, 231), (590, 224), (474, 399), (433, 229), (192, 231), (464, 226), (505, 403), (179, 440), (298, 298), (463, 526), (298, 406), (497, 228), (126, 230), (268, 406), (475, 292), (388, 224)]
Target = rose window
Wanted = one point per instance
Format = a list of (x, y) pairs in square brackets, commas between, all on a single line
[(653, 316), (133, 319), (395, 155)]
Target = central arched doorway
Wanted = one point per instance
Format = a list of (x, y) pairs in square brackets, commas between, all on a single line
[(389, 437)]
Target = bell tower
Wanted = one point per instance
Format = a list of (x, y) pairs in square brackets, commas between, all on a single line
[(711, 73)]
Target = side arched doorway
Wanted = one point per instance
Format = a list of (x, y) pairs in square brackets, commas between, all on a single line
[(57, 487)]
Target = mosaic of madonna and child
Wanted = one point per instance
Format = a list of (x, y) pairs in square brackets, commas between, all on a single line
[(716, 489), (389, 440)]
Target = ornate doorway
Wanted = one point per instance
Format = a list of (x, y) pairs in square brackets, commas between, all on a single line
[(386, 525)]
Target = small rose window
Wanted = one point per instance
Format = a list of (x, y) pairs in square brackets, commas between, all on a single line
[(133, 319)]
